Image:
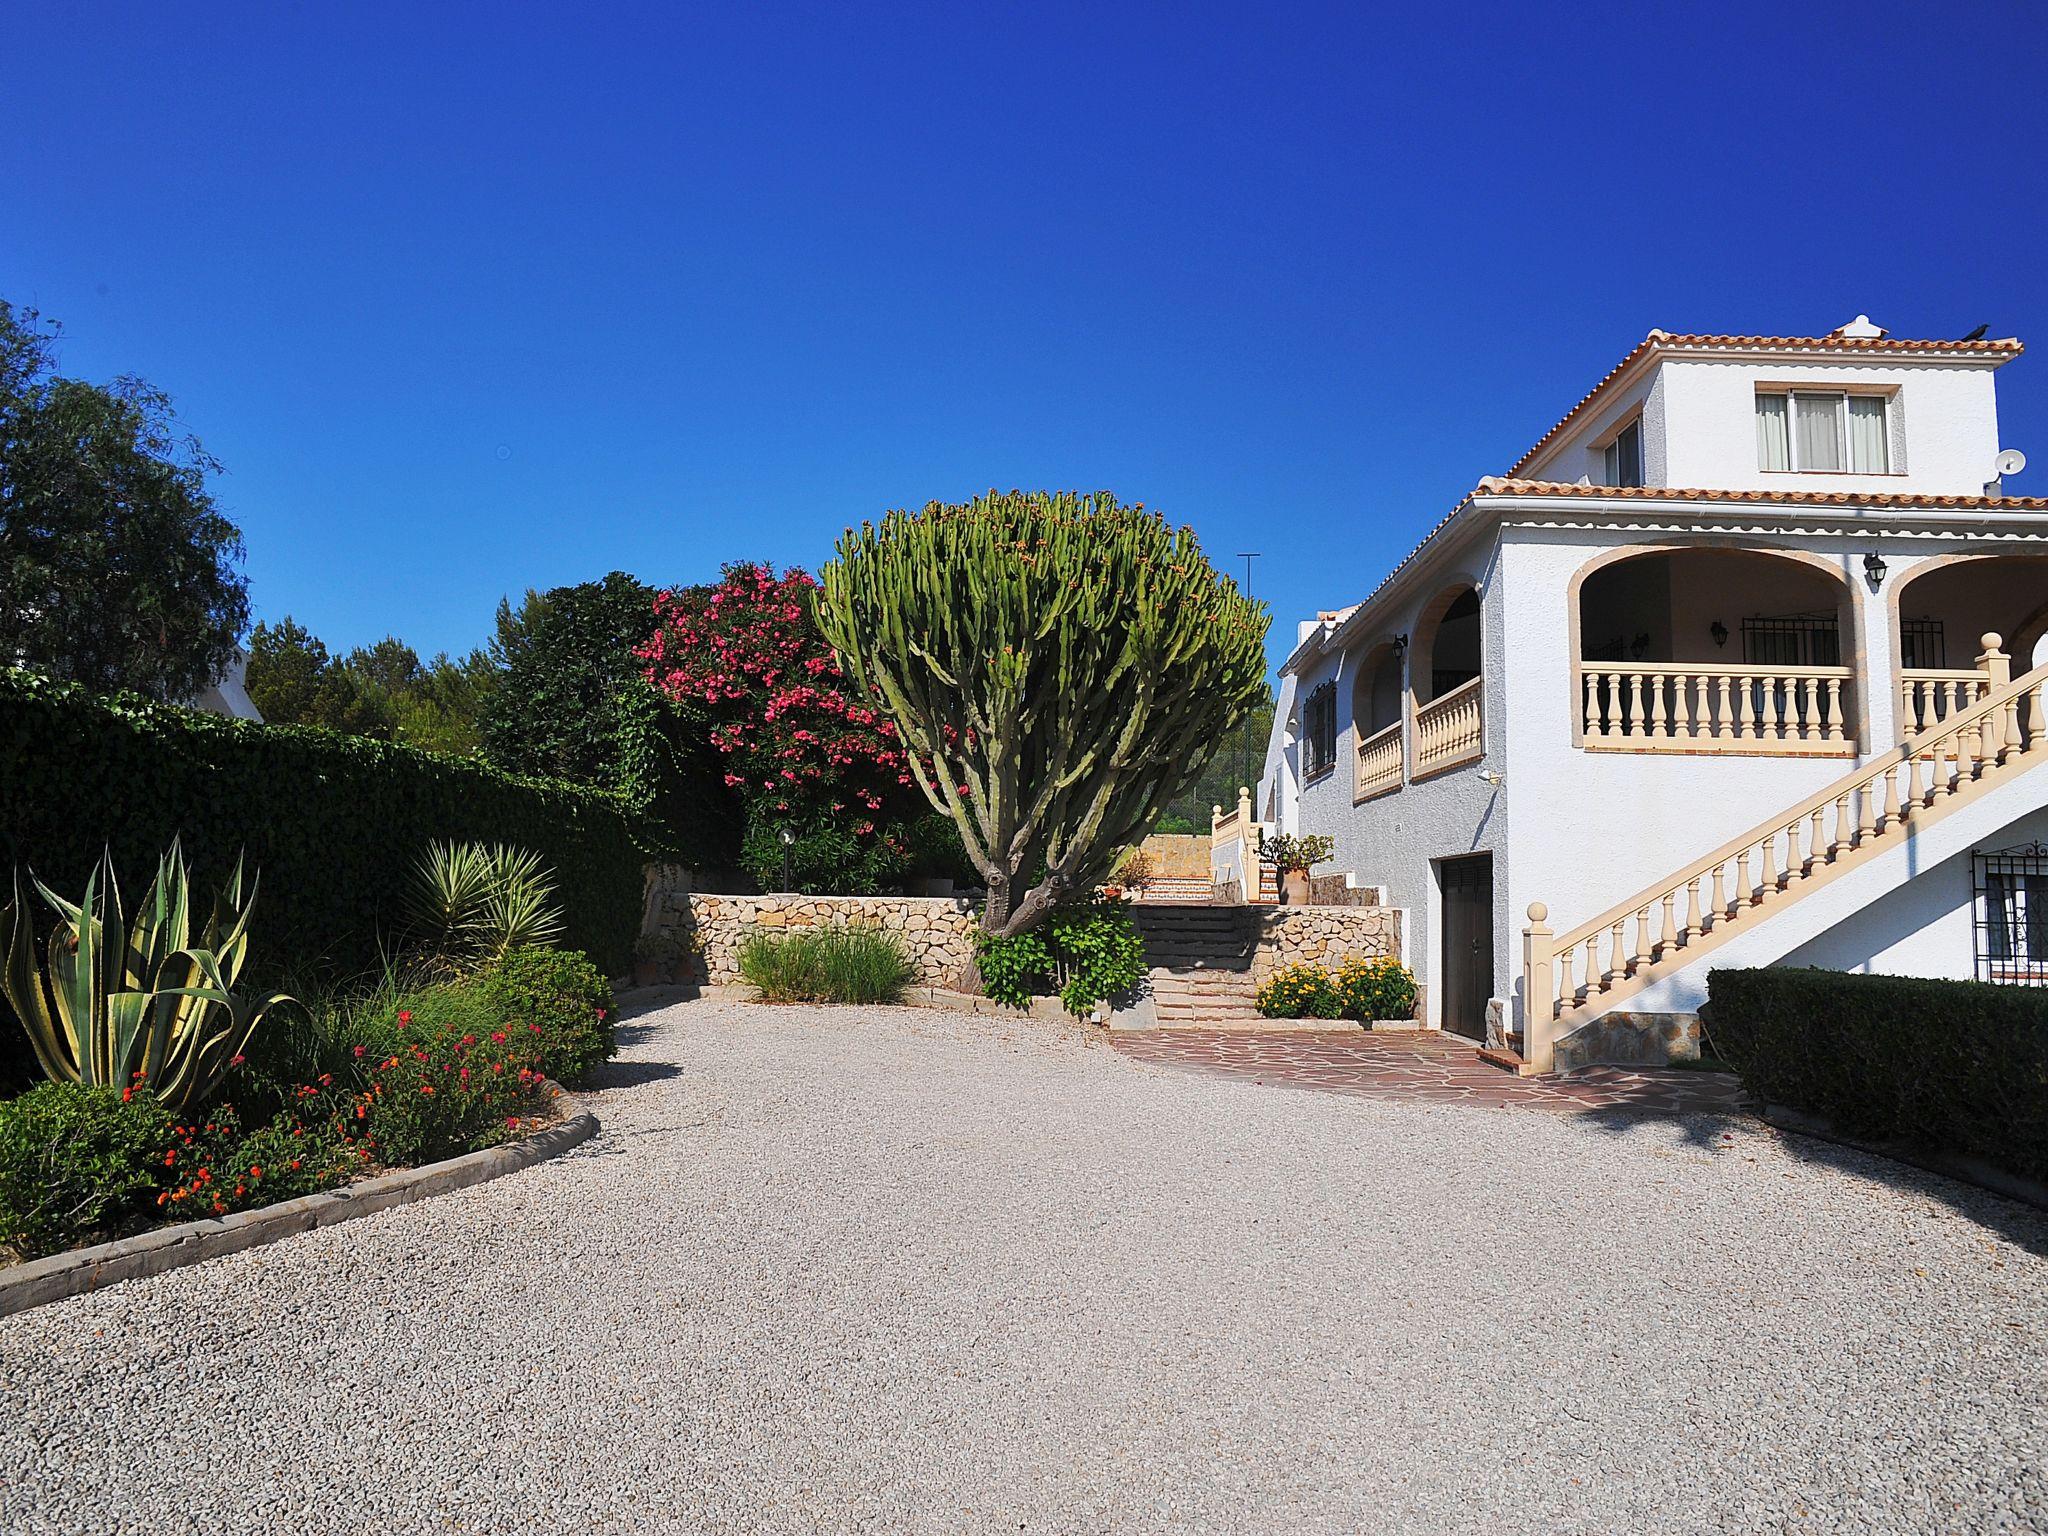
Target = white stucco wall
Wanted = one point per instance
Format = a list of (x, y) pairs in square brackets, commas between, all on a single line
[(1905, 913), (1699, 425), (1395, 841), (1947, 422), (1581, 830)]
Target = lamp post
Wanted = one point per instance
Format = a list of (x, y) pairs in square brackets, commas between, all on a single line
[(1244, 766), (788, 843)]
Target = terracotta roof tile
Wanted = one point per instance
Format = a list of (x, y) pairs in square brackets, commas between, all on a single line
[(1497, 486), (2006, 346)]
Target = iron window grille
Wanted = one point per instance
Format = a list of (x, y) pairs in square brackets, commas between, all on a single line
[(1319, 740), (1792, 640), (1922, 644), (2011, 915)]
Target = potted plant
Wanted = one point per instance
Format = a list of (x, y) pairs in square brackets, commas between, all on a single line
[(1293, 857), (655, 956)]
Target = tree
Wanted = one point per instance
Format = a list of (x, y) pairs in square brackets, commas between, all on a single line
[(293, 681), (383, 690), (1239, 757), (806, 753), (117, 568), (1056, 664), (563, 658)]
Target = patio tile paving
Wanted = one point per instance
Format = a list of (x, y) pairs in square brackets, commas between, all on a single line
[(1426, 1066)]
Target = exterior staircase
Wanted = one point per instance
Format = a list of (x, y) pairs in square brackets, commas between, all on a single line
[(1200, 958), (1885, 808)]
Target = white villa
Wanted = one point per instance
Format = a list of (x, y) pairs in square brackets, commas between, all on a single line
[(1740, 664)]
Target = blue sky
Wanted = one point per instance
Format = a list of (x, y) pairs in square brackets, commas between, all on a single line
[(475, 298)]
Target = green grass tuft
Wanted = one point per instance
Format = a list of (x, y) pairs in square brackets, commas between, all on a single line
[(826, 965)]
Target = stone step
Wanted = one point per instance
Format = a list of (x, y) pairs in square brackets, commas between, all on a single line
[(1506, 1060)]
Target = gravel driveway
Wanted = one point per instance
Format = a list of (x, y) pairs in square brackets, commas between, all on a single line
[(884, 1270)]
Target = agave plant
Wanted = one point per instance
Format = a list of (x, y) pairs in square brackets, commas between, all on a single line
[(474, 902), (136, 1003)]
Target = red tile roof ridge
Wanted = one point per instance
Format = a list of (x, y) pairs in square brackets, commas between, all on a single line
[(1502, 485), (2006, 346)]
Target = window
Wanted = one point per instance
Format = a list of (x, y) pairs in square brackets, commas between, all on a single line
[(1792, 640), (1922, 643), (1319, 740), (1822, 433), (2012, 915), (1625, 455)]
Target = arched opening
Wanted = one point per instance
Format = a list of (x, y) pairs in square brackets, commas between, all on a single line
[(1376, 720), (1376, 691), (1717, 650), (1453, 653), (1443, 676), (1941, 613)]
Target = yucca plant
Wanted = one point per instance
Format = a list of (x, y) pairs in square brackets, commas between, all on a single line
[(127, 1004), (472, 903)]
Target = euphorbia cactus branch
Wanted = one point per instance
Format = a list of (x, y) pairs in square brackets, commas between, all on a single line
[(1058, 665)]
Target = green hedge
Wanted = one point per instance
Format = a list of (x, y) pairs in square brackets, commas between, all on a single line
[(333, 823), (1960, 1065)]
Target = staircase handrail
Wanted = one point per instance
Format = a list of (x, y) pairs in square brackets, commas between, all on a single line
[(1855, 780)]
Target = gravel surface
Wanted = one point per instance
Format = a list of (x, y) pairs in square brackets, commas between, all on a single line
[(883, 1270)]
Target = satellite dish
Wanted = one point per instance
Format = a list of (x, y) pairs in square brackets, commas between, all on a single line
[(2010, 461)]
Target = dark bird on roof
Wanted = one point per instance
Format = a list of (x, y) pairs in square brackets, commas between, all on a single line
[(1977, 334)]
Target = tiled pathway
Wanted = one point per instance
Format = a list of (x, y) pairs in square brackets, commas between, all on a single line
[(1423, 1065)]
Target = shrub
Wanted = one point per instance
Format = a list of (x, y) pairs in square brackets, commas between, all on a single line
[(1089, 951), (1960, 1065), (77, 1162), (147, 1002), (826, 857), (213, 1167), (334, 822), (446, 1076), (472, 902), (1299, 992), (1013, 970), (1096, 952), (826, 965), (1374, 989), (560, 990)]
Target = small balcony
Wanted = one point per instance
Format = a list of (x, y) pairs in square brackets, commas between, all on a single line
[(1707, 651), (1379, 764), (1702, 708), (1450, 730)]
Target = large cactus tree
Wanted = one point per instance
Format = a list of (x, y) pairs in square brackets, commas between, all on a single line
[(1060, 667)]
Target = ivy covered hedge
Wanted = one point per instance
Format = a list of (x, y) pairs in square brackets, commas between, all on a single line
[(1959, 1065), (333, 823)]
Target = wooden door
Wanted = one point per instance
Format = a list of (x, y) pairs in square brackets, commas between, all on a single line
[(1466, 972)]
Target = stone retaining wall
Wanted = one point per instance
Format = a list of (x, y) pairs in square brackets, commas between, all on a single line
[(1323, 936), (937, 932)]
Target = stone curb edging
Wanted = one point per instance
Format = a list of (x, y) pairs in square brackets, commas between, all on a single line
[(82, 1270), (1953, 1165)]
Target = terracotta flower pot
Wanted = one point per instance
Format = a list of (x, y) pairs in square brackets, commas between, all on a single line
[(1294, 888)]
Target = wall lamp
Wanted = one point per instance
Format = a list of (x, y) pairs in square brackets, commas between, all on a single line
[(1874, 569), (1719, 631)]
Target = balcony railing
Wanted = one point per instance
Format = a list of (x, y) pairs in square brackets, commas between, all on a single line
[(1379, 763), (1929, 695), (1450, 730), (1697, 707)]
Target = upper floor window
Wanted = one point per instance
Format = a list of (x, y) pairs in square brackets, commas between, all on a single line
[(1319, 734), (1823, 432), (1625, 456)]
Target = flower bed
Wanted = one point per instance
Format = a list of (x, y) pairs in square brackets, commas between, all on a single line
[(410, 1075)]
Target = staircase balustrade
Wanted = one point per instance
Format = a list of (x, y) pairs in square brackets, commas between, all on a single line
[(1871, 808)]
